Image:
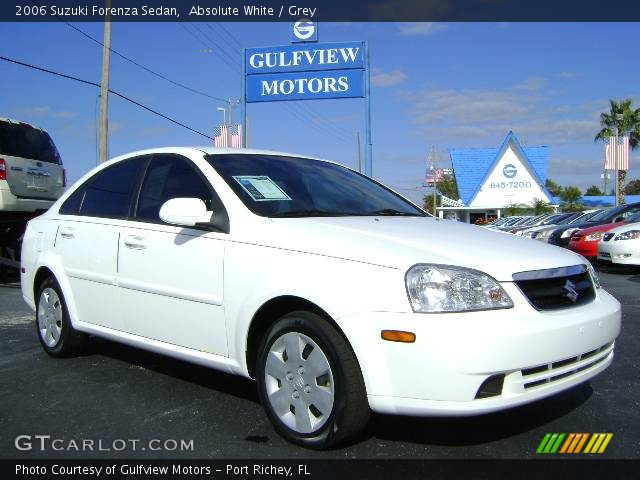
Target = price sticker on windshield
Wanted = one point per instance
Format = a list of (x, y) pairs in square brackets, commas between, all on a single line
[(261, 188)]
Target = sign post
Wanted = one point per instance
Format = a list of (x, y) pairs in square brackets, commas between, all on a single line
[(243, 101), (368, 160)]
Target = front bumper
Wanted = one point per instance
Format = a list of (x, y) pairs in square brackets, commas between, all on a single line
[(10, 203), (539, 354), (625, 252), (586, 249)]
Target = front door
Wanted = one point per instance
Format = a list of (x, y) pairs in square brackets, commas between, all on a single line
[(170, 277)]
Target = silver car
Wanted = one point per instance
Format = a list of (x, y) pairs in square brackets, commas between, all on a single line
[(31, 173)]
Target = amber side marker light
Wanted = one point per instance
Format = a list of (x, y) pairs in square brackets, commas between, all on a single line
[(398, 336)]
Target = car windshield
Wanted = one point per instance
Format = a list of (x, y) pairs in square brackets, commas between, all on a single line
[(633, 218), (281, 186), (570, 217), (22, 140), (600, 215), (556, 219), (585, 217)]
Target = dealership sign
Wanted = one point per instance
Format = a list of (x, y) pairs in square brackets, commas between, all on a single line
[(305, 72)]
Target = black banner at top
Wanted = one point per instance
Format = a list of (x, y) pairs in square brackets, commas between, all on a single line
[(322, 10)]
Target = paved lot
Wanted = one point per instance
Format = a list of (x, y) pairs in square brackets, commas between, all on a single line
[(119, 393)]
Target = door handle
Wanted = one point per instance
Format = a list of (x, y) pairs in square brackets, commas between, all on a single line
[(135, 242), (67, 232)]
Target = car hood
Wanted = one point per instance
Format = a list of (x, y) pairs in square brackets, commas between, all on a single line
[(401, 242), (625, 227)]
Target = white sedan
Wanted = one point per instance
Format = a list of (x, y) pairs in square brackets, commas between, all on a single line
[(621, 245), (336, 294)]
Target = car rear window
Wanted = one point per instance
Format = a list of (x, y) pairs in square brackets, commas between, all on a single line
[(22, 140)]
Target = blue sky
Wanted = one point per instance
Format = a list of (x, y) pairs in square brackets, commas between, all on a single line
[(443, 84)]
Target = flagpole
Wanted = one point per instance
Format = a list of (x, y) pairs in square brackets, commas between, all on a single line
[(615, 164)]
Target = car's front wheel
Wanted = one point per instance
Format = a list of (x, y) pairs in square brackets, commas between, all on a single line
[(57, 336), (310, 383)]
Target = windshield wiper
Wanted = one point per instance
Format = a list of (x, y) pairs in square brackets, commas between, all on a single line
[(309, 213), (393, 211)]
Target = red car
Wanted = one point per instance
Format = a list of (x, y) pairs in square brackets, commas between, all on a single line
[(585, 241)]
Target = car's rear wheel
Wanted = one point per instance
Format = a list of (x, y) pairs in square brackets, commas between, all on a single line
[(310, 383), (57, 336)]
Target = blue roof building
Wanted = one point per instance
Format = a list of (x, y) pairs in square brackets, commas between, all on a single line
[(491, 179)]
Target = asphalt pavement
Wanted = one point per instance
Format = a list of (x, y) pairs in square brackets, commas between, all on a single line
[(157, 407)]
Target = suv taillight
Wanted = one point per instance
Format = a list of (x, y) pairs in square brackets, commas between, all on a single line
[(64, 178), (3, 169)]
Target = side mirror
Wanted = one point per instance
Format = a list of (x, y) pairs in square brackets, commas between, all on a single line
[(186, 212), (618, 219)]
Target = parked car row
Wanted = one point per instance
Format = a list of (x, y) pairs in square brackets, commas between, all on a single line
[(608, 235)]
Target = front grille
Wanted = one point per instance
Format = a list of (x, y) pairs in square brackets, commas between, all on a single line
[(604, 254), (608, 236), (556, 287), (551, 372)]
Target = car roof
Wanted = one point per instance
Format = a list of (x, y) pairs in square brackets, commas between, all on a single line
[(208, 150), (12, 120)]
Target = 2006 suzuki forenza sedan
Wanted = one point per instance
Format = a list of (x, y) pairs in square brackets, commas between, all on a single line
[(334, 293)]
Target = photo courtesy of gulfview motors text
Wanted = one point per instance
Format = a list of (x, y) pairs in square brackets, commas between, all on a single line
[(310, 239)]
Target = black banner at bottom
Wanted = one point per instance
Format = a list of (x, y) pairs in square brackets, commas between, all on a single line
[(538, 469)]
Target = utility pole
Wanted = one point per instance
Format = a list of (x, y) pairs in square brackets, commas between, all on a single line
[(435, 180), (103, 124)]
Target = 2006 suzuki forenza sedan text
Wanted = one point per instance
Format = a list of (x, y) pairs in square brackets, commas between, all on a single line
[(334, 293)]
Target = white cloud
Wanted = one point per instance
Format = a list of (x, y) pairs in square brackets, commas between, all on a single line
[(388, 79), (569, 74), (47, 111), (470, 117), (531, 84), (468, 106), (421, 28)]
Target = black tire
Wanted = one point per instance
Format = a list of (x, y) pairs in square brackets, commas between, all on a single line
[(70, 342), (350, 412)]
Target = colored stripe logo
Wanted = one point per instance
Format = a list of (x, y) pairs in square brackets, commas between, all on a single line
[(574, 443)]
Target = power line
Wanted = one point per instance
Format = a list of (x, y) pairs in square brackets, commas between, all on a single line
[(118, 94), (130, 60)]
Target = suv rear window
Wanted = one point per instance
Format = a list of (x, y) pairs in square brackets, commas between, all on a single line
[(22, 140)]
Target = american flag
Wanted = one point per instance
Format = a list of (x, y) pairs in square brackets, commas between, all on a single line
[(433, 175), (228, 135), (621, 157)]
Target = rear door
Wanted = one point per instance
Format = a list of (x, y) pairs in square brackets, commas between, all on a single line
[(87, 240), (33, 165)]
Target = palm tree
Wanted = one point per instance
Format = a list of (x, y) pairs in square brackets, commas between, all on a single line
[(622, 119), (540, 206), (571, 199)]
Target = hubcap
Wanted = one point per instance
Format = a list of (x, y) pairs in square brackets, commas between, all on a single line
[(50, 317), (299, 382)]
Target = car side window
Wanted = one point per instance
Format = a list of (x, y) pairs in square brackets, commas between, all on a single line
[(71, 205), (109, 193), (167, 177)]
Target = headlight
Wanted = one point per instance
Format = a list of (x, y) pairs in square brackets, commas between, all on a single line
[(630, 235), (594, 237), (594, 275), (442, 288), (569, 232), (543, 234)]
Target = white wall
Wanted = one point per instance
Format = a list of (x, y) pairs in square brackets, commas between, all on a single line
[(500, 190)]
